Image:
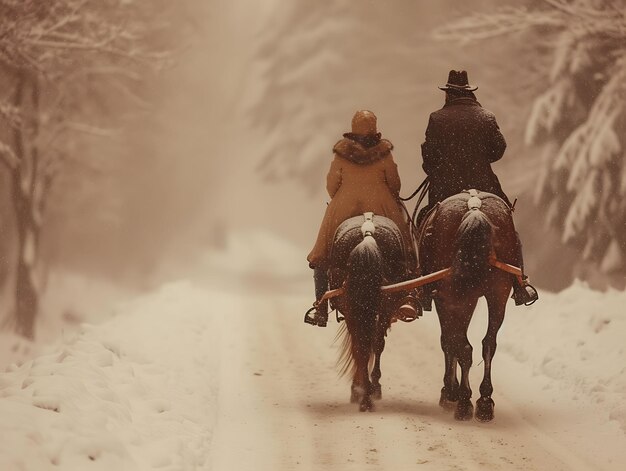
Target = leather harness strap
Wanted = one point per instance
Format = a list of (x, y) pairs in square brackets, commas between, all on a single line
[(474, 202), (368, 228)]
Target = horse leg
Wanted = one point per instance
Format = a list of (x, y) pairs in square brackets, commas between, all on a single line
[(356, 389), (464, 408), (450, 389), (361, 389), (361, 386), (497, 306), (356, 392), (364, 387), (447, 312), (377, 393), (379, 346)]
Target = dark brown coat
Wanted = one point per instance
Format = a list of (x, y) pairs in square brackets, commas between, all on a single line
[(360, 180), (462, 141)]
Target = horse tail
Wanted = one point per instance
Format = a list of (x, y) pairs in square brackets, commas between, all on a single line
[(473, 247), (363, 295)]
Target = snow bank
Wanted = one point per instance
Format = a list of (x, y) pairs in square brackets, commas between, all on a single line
[(72, 297), (134, 393), (69, 299), (574, 340)]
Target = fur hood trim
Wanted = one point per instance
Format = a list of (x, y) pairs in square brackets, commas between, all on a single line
[(356, 153)]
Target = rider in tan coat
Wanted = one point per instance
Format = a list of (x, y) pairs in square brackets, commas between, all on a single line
[(363, 177)]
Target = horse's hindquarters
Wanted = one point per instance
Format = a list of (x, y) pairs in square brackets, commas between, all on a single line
[(364, 255), (465, 238)]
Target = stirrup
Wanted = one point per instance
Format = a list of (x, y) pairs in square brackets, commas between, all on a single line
[(410, 310), (407, 313), (525, 294), (314, 317)]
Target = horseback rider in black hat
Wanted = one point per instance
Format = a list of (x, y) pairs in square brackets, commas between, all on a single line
[(462, 141)]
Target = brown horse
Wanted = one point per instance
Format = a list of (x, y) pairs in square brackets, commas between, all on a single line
[(367, 252), (466, 232)]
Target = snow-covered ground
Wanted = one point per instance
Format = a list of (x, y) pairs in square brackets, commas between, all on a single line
[(69, 299), (204, 374), (137, 392)]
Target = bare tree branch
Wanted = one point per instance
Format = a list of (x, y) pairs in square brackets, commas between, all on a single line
[(101, 48), (64, 57), (89, 129), (503, 22), (8, 157), (10, 114)]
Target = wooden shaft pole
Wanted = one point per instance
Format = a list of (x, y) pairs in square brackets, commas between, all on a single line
[(416, 282), (505, 267), (422, 280)]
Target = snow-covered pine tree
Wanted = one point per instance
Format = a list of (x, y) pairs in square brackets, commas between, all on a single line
[(579, 117), (322, 61), (306, 67)]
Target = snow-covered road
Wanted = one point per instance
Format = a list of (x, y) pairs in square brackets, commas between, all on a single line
[(195, 378), (285, 408)]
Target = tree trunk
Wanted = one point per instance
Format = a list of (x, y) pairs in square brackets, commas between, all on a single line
[(22, 186), (26, 295)]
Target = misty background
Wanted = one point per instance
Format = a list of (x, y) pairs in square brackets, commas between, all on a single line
[(234, 134)]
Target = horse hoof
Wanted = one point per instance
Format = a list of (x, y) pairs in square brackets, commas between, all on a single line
[(377, 392), (484, 409), (356, 394), (366, 405), (447, 405), (447, 401), (464, 410)]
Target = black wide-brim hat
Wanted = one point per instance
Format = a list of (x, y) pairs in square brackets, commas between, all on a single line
[(457, 80)]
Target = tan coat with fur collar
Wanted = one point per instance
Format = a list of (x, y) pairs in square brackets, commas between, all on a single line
[(360, 180)]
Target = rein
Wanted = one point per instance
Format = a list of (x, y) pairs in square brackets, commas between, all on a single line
[(424, 183), (421, 197), (422, 189)]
